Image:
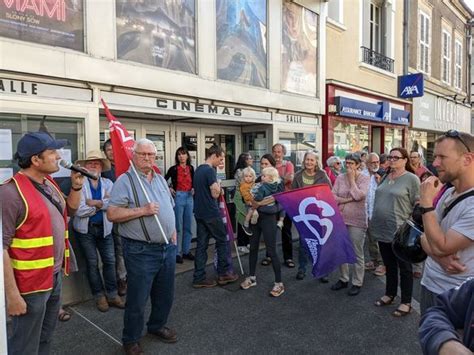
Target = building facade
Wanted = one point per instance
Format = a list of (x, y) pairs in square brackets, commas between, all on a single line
[(364, 58), (242, 74), (439, 33)]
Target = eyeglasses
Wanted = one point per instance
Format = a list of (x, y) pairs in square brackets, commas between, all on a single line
[(452, 133), (337, 163), (143, 155), (394, 158)]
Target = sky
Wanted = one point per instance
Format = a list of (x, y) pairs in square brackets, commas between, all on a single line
[(470, 3)]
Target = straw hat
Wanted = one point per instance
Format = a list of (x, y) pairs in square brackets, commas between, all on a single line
[(95, 155)]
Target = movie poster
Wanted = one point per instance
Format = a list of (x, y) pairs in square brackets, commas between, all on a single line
[(241, 41), (299, 50), (57, 23), (157, 32)]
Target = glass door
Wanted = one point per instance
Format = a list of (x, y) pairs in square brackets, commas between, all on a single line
[(188, 137)]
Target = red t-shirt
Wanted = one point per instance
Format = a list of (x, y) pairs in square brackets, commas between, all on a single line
[(184, 178), (286, 168)]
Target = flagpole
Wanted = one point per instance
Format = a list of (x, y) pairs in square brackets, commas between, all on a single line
[(148, 200)]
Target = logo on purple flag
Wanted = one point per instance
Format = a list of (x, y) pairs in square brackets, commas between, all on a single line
[(314, 212)]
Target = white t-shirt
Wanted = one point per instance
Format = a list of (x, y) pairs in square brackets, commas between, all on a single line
[(461, 220)]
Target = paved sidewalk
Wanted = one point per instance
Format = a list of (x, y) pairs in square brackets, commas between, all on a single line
[(308, 318)]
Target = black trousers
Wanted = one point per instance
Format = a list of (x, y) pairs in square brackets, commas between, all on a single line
[(267, 226), (393, 266), (286, 240)]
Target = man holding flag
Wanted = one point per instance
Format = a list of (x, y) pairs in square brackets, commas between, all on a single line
[(139, 203), (314, 212)]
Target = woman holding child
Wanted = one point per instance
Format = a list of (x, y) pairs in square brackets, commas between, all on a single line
[(268, 212), (310, 174)]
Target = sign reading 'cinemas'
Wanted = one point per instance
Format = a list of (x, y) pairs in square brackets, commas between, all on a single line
[(52, 22)]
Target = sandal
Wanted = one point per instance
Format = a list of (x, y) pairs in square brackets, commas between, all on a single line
[(401, 313), (64, 315), (384, 301), (266, 261), (290, 263)]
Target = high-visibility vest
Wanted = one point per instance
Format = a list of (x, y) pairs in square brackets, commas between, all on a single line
[(32, 248)]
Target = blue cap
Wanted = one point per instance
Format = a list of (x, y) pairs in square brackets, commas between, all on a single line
[(34, 143)]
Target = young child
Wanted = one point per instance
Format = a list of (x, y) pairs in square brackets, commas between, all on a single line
[(246, 187)]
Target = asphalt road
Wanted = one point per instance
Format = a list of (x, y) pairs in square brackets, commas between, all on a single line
[(308, 318)]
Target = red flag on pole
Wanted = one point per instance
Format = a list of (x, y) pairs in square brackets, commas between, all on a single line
[(122, 142)]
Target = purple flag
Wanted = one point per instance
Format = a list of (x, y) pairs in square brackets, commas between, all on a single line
[(230, 233), (324, 235)]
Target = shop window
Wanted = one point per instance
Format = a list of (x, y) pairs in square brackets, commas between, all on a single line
[(350, 138), (297, 144), (14, 126), (423, 143), (159, 141), (255, 143), (393, 138)]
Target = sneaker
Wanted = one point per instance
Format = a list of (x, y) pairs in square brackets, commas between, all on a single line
[(280, 224), (354, 290), (248, 282), (206, 283), (300, 275), (254, 218), (166, 335), (243, 250), (116, 302), (227, 278), (277, 289), (370, 266), (102, 304), (380, 270), (247, 230), (133, 349), (339, 285)]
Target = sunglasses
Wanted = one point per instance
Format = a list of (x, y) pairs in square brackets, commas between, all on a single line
[(394, 158), (452, 133)]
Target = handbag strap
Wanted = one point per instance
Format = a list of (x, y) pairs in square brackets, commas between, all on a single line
[(455, 202), (137, 203)]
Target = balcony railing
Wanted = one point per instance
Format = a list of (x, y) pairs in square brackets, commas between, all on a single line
[(376, 59)]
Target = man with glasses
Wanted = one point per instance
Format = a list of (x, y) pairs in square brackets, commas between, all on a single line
[(375, 263), (137, 197), (449, 238), (417, 163), (35, 242)]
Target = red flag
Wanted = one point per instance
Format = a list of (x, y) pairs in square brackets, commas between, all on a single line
[(122, 143)]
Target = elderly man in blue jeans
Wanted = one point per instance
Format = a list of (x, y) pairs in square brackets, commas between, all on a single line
[(149, 260)]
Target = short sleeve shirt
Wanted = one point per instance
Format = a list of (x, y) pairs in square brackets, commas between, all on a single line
[(461, 220), (205, 206)]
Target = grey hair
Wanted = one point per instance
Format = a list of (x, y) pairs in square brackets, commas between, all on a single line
[(332, 160), (144, 141), (373, 154)]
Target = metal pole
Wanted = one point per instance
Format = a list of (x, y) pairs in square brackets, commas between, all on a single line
[(406, 18)]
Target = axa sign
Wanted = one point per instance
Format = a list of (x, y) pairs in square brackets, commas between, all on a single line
[(411, 85)]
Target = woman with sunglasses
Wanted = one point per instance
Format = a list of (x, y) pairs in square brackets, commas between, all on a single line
[(350, 192), (333, 168), (395, 199)]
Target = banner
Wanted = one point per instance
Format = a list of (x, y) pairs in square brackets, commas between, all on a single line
[(315, 214), (299, 49), (242, 41), (230, 233), (57, 23)]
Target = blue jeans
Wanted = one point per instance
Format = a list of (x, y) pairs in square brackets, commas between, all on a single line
[(183, 210), (32, 332), (207, 229), (90, 243), (150, 274)]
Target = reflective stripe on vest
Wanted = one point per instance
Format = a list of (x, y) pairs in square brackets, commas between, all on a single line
[(32, 243), (32, 264)]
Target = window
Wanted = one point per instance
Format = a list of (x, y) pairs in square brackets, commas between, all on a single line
[(335, 10), (424, 51), (375, 27), (446, 57), (297, 144), (458, 65)]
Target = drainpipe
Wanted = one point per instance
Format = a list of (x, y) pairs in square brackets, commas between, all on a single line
[(406, 12)]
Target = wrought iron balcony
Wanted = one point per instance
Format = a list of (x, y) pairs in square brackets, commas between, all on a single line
[(376, 59)]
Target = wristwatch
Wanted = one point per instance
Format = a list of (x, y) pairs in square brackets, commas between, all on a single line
[(424, 210)]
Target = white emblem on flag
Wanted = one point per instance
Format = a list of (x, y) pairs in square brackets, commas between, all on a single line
[(327, 211)]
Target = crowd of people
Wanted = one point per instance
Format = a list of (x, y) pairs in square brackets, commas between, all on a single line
[(140, 223)]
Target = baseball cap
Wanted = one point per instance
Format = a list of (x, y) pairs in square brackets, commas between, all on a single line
[(33, 143)]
